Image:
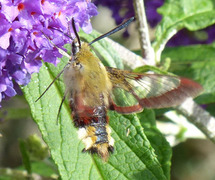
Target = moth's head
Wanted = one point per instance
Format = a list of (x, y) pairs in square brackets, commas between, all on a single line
[(80, 56), (85, 62), (79, 60)]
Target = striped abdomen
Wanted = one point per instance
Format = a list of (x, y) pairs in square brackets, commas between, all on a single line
[(94, 130)]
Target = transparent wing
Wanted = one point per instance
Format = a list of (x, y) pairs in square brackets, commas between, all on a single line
[(132, 91)]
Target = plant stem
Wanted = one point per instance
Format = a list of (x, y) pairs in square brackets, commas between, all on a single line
[(199, 117), (146, 48)]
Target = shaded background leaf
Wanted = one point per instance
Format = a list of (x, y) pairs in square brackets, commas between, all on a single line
[(193, 15)]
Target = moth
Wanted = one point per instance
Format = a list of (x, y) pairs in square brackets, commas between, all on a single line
[(93, 89)]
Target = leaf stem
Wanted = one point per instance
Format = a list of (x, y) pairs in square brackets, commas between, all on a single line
[(199, 117), (146, 48)]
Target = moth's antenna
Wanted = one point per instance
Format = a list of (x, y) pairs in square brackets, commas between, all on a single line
[(118, 28), (75, 31), (58, 113), (67, 35), (53, 81), (64, 53)]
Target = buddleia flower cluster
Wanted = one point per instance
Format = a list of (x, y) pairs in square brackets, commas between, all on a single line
[(22, 41)]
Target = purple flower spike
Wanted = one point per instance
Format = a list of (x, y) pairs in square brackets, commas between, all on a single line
[(22, 43)]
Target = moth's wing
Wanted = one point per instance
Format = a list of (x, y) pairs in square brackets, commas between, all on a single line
[(132, 91)]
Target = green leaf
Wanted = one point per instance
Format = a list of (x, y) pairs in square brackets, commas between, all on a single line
[(14, 113), (62, 138), (11, 174), (36, 149), (42, 168), (193, 15), (146, 68), (195, 62), (134, 156), (25, 156), (157, 140)]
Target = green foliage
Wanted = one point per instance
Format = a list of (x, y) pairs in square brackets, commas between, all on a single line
[(146, 68), (33, 153), (37, 151), (193, 15), (25, 156), (36, 163)]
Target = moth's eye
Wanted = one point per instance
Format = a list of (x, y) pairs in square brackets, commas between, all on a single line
[(78, 65)]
